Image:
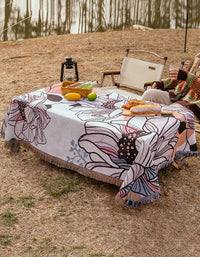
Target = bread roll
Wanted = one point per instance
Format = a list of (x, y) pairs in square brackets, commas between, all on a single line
[(146, 109), (133, 102)]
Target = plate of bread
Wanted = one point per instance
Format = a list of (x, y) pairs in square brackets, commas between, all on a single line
[(134, 107)]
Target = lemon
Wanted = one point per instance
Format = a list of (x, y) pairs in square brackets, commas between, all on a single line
[(92, 96), (72, 96)]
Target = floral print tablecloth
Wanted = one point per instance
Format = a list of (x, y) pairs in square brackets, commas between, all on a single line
[(95, 139)]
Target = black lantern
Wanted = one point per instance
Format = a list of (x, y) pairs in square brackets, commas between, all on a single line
[(68, 73)]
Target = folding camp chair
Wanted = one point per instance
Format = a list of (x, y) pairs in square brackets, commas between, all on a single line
[(135, 73), (193, 66)]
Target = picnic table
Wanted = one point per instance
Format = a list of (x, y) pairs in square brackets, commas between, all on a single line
[(95, 139)]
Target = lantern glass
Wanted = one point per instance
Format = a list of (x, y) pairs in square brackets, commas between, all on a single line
[(69, 74)]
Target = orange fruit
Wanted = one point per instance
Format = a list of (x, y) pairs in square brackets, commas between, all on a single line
[(72, 96)]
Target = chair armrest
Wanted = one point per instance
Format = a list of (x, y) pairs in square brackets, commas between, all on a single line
[(111, 72), (147, 84)]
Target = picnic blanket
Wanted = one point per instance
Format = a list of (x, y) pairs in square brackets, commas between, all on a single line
[(95, 139)]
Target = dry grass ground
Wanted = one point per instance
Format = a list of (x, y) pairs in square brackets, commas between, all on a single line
[(83, 220)]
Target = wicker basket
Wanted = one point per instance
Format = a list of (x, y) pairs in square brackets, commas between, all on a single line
[(67, 87)]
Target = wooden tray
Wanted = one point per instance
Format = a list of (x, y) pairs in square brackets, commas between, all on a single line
[(128, 113)]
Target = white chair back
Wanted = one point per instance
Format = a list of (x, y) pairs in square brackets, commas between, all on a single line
[(135, 73)]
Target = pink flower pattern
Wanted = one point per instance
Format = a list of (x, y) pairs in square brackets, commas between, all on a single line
[(28, 115)]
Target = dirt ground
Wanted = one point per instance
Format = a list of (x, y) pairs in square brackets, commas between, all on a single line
[(86, 221)]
